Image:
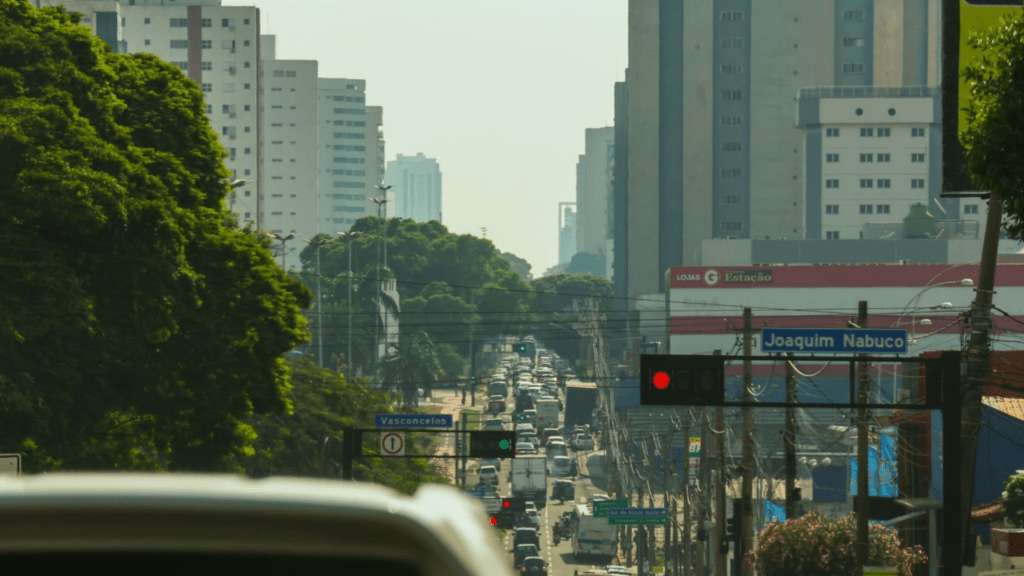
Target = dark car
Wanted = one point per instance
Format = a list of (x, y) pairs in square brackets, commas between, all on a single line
[(496, 404), (524, 551), (535, 565), (525, 535), (563, 490)]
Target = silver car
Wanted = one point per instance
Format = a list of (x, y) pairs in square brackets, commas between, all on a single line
[(186, 523)]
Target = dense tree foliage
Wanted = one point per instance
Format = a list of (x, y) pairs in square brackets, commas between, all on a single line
[(140, 327), (586, 263), (558, 299), (307, 441), (447, 284)]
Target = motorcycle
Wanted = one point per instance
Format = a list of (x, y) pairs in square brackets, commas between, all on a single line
[(556, 538)]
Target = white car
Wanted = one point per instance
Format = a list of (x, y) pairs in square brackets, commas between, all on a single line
[(207, 522), (488, 474), (583, 442)]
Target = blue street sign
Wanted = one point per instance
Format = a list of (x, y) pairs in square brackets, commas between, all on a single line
[(834, 340), (479, 493), (412, 420)]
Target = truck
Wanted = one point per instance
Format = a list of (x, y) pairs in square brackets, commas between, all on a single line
[(592, 537), (580, 401), (547, 413), (529, 479)]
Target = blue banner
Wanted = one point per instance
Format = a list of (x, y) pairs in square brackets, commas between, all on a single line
[(412, 420), (773, 512)]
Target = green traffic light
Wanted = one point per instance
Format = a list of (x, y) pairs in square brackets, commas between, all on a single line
[(504, 444)]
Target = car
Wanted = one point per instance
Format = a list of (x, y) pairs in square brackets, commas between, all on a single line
[(525, 448), (529, 519), (545, 433), (534, 565), (583, 442), (599, 498), (563, 490), (496, 403), (528, 437), (530, 506), (523, 551), (622, 570), (525, 535), (554, 439), (559, 466), (488, 474), (493, 424), (531, 415), (491, 462), (185, 521)]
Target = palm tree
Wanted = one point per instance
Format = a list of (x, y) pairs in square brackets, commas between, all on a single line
[(413, 365)]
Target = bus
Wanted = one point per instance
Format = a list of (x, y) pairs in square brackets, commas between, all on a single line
[(592, 537)]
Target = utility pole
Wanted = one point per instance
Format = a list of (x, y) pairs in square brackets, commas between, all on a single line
[(978, 367), (748, 447), (687, 560), (862, 447), (472, 352), (790, 439), (721, 542), (702, 471), (671, 531)]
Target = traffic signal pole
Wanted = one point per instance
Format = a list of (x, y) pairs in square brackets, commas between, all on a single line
[(747, 532), (790, 440), (862, 448)]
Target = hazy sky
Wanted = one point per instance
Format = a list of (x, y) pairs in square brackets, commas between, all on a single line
[(498, 92)]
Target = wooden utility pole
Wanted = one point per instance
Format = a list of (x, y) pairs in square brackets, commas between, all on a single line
[(671, 531), (721, 548), (702, 471), (748, 446), (862, 447), (790, 439)]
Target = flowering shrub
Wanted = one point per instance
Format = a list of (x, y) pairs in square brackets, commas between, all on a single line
[(1013, 500), (814, 545)]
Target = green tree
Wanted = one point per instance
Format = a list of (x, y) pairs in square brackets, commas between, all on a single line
[(555, 311), (586, 263), (414, 365), (143, 326), (307, 441)]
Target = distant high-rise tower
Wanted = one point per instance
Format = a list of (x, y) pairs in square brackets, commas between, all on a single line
[(594, 199), (567, 236), (416, 187)]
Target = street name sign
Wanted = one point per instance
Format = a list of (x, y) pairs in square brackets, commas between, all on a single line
[(835, 340), (477, 492), (643, 516), (412, 420), (601, 507)]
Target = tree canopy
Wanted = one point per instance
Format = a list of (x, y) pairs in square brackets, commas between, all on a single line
[(140, 326)]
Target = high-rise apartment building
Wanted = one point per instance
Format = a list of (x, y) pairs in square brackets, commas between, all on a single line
[(289, 140), (416, 185), (351, 153), (594, 200), (217, 47), (714, 151)]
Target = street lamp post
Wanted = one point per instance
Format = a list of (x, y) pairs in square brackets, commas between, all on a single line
[(349, 236), (284, 249), (319, 307), (380, 317)]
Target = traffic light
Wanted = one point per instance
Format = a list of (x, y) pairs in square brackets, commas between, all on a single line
[(513, 505), (492, 444), (677, 380)]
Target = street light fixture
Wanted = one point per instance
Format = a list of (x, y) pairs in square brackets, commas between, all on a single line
[(350, 236), (319, 307), (239, 183), (283, 239)]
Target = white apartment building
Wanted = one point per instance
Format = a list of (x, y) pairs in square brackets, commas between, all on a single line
[(594, 192), (289, 140), (415, 186), (103, 17), (217, 47), (870, 154), (350, 154)]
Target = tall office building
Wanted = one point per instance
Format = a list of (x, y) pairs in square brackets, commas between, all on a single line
[(714, 151), (351, 153), (594, 192), (567, 235), (416, 185), (217, 47), (289, 140)]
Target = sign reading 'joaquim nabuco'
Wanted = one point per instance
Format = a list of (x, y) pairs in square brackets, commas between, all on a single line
[(836, 340)]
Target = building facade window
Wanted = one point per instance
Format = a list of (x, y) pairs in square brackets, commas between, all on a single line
[(731, 172), (207, 44), (732, 120), (882, 209), (851, 42), (884, 183), (731, 68), (866, 182), (917, 157), (855, 15), (832, 209), (853, 67), (178, 44), (970, 208), (207, 22), (917, 183), (732, 43), (732, 16), (179, 22), (832, 132), (832, 183), (832, 235), (207, 87), (917, 132), (884, 158), (865, 208), (866, 157), (732, 147), (732, 226), (883, 132), (207, 65), (831, 157), (865, 132)]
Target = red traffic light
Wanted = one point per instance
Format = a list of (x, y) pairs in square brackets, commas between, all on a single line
[(661, 380), (494, 521), (506, 504)]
